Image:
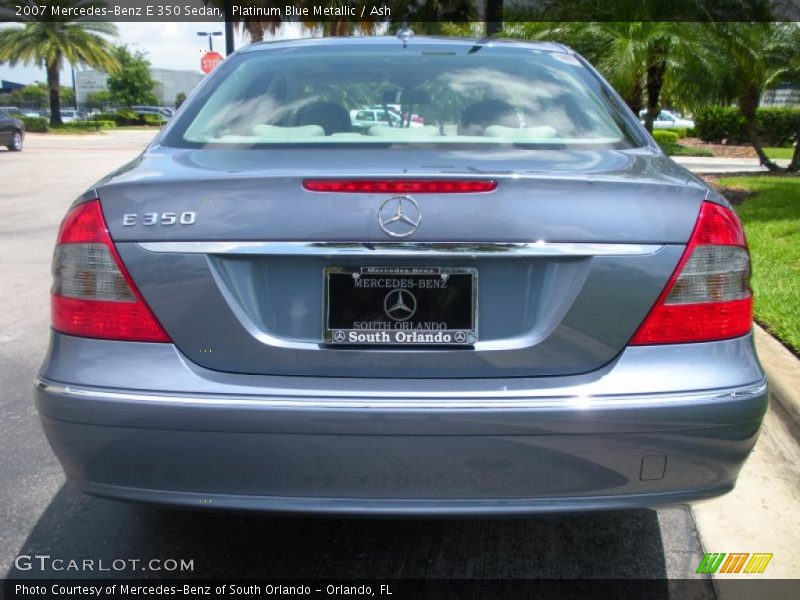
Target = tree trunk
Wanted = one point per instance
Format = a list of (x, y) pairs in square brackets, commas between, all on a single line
[(54, 86), (339, 29), (494, 17), (255, 30), (748, 106), (794, 165), (655, 82), (634, 97)]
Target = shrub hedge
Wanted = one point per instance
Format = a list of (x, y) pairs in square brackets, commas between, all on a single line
[(665, 137), (775, 126), (35, 124), (91, 124), (681, 131), (125, 117), (42, 124)]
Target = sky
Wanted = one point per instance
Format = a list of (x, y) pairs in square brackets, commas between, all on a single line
[(167, 45)]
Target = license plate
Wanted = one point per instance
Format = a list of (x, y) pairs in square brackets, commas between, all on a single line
[(378, 306)]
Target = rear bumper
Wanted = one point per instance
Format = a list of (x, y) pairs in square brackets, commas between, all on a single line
[(402, 451)]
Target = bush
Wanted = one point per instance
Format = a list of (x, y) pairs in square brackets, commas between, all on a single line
[(153, 119), (718, 123), (775, 126), (681, 131), (76, 126), (125, 116), (778, 126), (665, 137), (106, 116), (35, 124)]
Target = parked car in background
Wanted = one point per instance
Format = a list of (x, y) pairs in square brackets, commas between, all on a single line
[(31, 113), (69, 115), (273, 309), (160, 111), (368, 117), (668, 120), (12, 131), (416, 120), (12, 111)]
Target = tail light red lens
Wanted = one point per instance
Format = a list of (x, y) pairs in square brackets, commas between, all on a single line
[(708, 296), (93, 295), (400, 186)]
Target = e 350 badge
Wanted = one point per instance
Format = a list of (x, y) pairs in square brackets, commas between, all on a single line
[(165, 218)]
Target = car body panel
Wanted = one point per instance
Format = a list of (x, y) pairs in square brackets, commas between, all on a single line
[(241, 195), (9, 125), (249, 407), (268, 403), (543, 316), (314, 444)]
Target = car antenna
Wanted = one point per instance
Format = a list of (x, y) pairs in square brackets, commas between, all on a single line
[(480, 44), (404, 33)]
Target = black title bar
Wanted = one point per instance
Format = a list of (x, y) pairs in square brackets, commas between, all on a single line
[(393, 12)]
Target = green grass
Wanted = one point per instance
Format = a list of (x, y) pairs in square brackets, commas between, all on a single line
[(679, 150), (772, 222), (774, 153)]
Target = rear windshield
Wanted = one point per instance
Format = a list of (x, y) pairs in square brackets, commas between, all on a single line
[(356, 95)]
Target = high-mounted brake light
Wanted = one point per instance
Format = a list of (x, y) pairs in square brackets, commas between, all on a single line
[(93, 295), (401, 186), (708, 296)]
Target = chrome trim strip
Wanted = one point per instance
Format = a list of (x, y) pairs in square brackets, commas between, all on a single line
[(308, 399), (405, 249)]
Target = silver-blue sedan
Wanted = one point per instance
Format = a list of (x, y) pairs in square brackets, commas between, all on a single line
[(517, 304)]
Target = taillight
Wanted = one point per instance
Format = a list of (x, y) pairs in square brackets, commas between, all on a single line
[(708, 296), (401, 186), (93, 295)]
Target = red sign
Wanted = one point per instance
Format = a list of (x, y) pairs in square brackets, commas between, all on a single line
[(209, 61)]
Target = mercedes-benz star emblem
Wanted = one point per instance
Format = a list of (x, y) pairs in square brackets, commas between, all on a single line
[(460, 337), (400, 305), (339, 336), (399, 216)]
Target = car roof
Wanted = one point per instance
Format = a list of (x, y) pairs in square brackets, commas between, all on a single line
[(388, 41)]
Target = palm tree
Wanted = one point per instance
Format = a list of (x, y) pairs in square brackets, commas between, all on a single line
[(493, 17), (750, 58), (639, 58), (794, 75), (341, 27), (255, 27), (49, 43)]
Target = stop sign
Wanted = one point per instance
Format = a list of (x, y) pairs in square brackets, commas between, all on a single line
[(209, 61)]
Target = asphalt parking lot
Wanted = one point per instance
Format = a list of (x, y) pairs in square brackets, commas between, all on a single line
[(39, 515)]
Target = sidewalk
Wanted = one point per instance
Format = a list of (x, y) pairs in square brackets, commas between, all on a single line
[(704, 164), (760, 514), (783, 371)]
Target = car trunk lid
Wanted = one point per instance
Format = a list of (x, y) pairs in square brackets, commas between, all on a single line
[(569, 253)]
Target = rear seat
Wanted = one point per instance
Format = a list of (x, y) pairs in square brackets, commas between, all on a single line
[(522, 134), (275, 132), (405, 133)]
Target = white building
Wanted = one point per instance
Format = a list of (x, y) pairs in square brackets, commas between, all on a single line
[(169, 83), (784, 95)]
